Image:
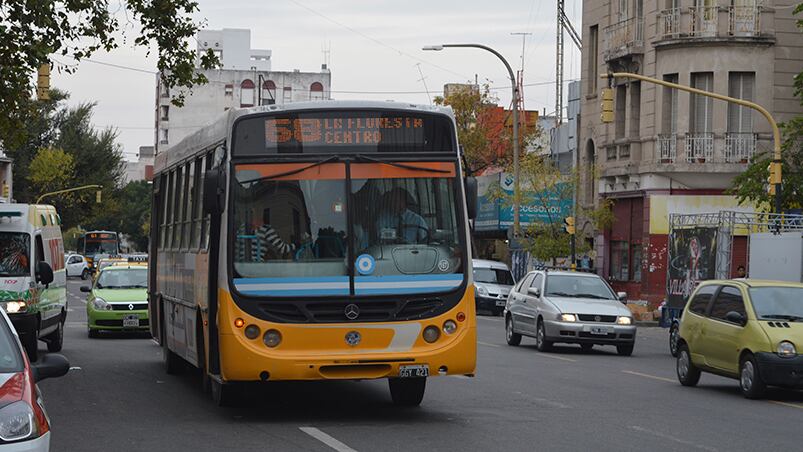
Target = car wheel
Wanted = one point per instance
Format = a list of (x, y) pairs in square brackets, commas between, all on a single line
[(93, 334), (586, 347), (407, 391), (753, 387), (625, 350), (512, 337), (674, 333), (541, 342), (85, 274), (688, 373), (31, 344), (55, 340), (173, 364)]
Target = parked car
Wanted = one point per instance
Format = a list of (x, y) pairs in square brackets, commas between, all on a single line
[(744, 329), (492, 284), (118, 299), (24, 425), (77, 266), (569, 307)]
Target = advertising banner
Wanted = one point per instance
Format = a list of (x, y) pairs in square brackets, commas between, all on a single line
[(536, 207), (692, 258)]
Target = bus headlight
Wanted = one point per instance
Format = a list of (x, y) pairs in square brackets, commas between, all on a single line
[(101, 305), (272, 338), (431, 333), (449, 327), (15, 307), (786, 349), (252, 331)]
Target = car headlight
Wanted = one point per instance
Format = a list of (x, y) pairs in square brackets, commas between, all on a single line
[(786, 349), (482, 290), (101, 305), (623, 320), (567, 318), (16, 421), (15, 307)]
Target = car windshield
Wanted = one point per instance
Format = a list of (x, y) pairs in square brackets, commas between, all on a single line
[(14, 248), (10, 358), (778, 303), (578, 287), (493, 276), (126, 278)]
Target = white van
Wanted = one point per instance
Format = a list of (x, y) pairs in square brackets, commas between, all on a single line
[(492, 283), (33, 282)]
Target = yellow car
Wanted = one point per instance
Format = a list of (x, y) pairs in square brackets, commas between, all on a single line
[(743, 329)]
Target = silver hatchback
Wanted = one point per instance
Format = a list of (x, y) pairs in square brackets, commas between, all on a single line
[(568, 307)]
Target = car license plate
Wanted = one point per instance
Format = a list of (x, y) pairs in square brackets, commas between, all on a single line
[(131, 321), (500, 302), (414, 371), (601, 330)]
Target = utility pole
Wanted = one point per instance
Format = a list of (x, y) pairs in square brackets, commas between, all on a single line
[(559, 67)]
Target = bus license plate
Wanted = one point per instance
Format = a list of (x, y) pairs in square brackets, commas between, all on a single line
[(131, 321), (414, 371)]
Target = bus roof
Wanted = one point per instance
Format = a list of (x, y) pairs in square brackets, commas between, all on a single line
[(217, 131)]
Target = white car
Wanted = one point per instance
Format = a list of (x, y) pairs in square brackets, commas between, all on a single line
[(24, 425), (77, 266)]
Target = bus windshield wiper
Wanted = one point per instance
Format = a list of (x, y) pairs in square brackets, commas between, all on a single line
[(331, 159), (365, 158)]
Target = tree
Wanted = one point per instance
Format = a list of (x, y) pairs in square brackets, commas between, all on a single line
[(751, 186), (551, 193), (51, 170), (470, 106), (32, 31)]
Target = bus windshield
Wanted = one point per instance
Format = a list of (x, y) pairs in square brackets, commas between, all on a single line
[(14, 252), (100, 243), (301, 231)]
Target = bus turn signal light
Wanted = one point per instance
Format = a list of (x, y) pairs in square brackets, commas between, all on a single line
[(461, 317), (239, 323)]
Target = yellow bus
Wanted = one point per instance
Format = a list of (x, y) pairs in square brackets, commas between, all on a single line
[(315, 241)]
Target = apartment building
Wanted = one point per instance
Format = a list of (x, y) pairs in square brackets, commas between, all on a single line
[(669, 151)]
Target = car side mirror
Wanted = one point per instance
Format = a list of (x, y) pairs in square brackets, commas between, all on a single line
[(735, 317), (213, 191), (86, 289), (534, 291), (471, 197), (622, 296), (50, 366), (44, 273)]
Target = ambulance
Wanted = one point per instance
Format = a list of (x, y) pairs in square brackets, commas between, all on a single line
[(33, 280)]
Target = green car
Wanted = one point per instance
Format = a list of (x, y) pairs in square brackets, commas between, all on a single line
[(744, 329), (118, 299)]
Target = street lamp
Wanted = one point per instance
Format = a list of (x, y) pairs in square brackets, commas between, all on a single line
[(516, 192)]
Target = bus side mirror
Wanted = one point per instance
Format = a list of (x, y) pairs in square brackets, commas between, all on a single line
[(213, 191), (471, 197), (44, 273)]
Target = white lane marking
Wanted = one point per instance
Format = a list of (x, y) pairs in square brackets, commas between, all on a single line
[(671, 438), (490, 319), (488, 345), (791, 405), (639, 374), (326, 439), (466, 377), (556, 357)]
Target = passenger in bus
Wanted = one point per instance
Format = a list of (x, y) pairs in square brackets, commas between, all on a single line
[(397, 221), (263, 245)]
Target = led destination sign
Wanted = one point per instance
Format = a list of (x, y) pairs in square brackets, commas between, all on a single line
[(343, 130)]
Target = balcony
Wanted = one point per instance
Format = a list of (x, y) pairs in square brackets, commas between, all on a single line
[(667, 148), (710, 23), (669, 23), (740, 147), (699, 147), (704, 20), (744, 20), (624, 38)]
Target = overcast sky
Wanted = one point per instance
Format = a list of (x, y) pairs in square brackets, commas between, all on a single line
[(375, 47)]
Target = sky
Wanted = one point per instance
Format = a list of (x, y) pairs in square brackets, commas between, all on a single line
[(375, 52)]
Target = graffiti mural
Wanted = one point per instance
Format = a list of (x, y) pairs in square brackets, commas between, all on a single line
[(692, 258)]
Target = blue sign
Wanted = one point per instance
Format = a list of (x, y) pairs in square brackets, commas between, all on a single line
[(536, 207)]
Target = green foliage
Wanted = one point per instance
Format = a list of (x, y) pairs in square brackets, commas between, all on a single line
[(51, 169), (32, 31), (71, 238)]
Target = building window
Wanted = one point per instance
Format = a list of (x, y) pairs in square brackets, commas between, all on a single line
[(163, 134), (247, 93), (620, 110), (669, 120), (636, 253), (635, 109), (288, 94), (593, 58), (164, 91), (740, 85), (620, 270), (268, 92), (165, 112), (316, 91), (702, 107), (229, 90)]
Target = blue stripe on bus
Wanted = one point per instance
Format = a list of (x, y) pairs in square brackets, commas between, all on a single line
[(246, 281), (296, 292)]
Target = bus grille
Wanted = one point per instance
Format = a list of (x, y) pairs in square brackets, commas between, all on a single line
[(370, 311)]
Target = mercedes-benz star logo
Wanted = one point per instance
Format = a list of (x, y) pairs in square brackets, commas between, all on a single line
[(130, 306), (353, 338), (352, 312)]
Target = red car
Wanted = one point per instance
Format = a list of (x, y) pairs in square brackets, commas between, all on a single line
[(24, 425)]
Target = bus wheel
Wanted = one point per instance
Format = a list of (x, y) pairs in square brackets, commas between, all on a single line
[(407, 391), (222, 394), (172, 362)]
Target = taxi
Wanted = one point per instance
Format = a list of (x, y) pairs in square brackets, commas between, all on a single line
[(103, 262), (745, 329), (118, 299)]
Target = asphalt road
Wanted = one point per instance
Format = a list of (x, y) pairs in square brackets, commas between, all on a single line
[(119, 398)]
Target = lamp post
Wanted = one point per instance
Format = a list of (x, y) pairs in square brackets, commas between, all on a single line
[(516, 192)]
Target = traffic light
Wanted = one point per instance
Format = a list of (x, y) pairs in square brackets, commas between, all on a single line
[(568, 225), (6, 190), (607, 115), (774, 177), (43, 82), (97, 196)]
